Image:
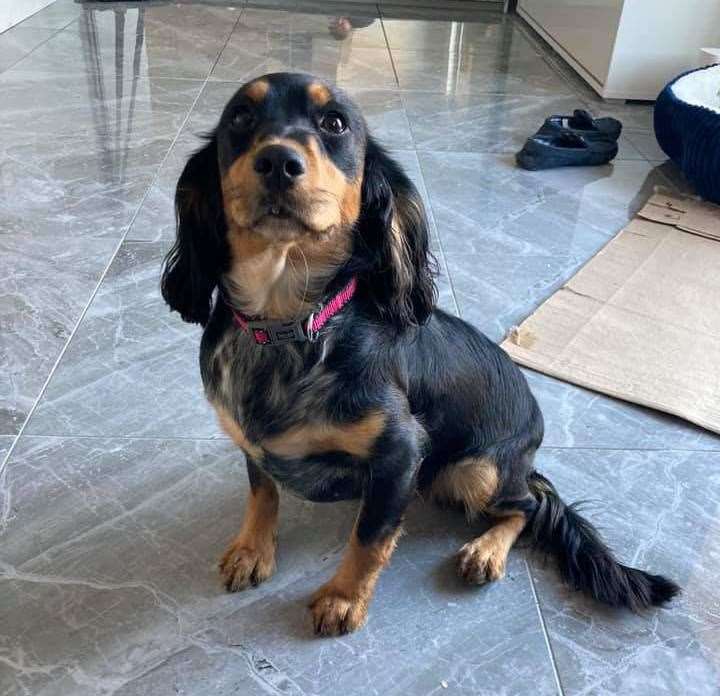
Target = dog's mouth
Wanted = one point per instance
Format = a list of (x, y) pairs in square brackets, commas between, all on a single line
[(277, 211), (279, 220), (282, 218)]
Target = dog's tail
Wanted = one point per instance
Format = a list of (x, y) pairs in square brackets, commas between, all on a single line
[(585, 562)]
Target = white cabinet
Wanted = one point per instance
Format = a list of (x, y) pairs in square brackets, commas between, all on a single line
[(630, 49)]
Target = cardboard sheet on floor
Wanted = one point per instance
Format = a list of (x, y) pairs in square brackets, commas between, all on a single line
[(641, 321)]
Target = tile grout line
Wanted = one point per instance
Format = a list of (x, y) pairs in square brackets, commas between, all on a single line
[(42, 43), (3, 466), (543, 625), (142, 438), (222, 438), (590, 448), (437, 228)]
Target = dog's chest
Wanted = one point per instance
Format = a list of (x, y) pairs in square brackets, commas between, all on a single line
[(273, 404), (257, 388)]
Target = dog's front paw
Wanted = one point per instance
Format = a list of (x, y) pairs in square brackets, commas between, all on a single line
[(334, 614), (245, 564), (481, 561)]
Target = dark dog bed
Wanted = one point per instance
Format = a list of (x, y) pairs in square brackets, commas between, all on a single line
[(687, 127)]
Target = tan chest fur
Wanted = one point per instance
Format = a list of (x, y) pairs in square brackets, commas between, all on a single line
[(283, 279)]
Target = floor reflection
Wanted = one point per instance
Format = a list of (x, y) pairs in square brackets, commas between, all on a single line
[(112, 111)]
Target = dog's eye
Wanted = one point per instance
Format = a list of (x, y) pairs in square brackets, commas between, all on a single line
[(333, 122), (243, 118)]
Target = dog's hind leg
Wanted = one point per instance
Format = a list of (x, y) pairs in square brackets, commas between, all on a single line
[(505, 488), (483, 559), (497, 492)]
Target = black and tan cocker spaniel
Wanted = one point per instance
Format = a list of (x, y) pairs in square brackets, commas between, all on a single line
[(302, 249)]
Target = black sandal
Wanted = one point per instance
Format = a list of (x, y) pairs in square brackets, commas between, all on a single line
[(565, 149)]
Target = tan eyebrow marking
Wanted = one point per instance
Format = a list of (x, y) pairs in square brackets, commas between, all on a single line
[(257, 90), (319, 94)]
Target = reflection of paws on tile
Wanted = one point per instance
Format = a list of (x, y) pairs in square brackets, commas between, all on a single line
[(247, 563), (340, 27), (334, 614)]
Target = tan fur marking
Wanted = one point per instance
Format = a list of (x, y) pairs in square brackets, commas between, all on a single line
[(483, 559), (351, 202), (250, 558), (472, 481), (324, 176), (319, 94), (341, 604), (355, 438), (257, 90), (241, 188), (236, 433)]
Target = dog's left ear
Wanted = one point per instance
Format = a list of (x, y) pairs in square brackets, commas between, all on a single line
[(393, 231)]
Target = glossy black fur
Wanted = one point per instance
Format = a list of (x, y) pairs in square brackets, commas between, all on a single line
[(446, 391), (584, 560)]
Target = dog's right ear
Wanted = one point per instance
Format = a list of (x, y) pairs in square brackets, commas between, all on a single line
[(193, 266)]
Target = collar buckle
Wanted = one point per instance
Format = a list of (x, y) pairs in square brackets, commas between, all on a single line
[(266, 333), (272, 333)]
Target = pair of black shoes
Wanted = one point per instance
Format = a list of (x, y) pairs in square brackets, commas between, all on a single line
[(571, 141)]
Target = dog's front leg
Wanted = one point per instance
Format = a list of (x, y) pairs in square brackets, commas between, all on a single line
[(250, 558), (341, 605)]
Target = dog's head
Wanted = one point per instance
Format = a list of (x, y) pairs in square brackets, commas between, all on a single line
[(290, 191)]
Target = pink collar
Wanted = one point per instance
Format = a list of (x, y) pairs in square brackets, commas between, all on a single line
[(267, 332)]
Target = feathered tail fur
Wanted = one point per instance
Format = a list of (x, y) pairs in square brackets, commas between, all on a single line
[(584, 560)]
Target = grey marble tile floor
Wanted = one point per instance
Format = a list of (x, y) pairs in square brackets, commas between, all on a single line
[(118, 491)]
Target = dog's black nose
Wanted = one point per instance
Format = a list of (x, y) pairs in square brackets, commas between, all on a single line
[(279, 166)]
